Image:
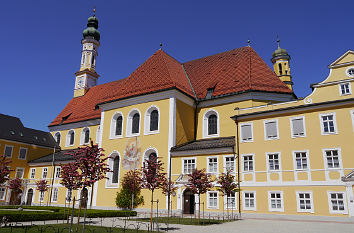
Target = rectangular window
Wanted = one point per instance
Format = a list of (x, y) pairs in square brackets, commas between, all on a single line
[(301, 160), (249, 200), (23, 153), (274, 162), (20, 172), (188, 166), (230, 164), (2, 193), (246, 132), (8, 151), (55, 195), (33, 173), (345, 89), (328, 123), (213, 200), (297, 127), (44, 173), (271, 129), (69, 194), (275, 201), (304, 202), (332, 157), (231, 201), (57, 172), (41, 196), (337, 202), (213, 165), (248, 163)]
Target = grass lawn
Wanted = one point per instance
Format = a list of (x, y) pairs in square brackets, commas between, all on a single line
[(183, 221), (64, 228)]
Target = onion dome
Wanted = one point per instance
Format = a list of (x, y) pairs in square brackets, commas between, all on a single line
[(91, 30), (279, 52)]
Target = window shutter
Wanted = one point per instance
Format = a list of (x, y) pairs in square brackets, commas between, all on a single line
[(271, 129), (298, 126), (246, 131)]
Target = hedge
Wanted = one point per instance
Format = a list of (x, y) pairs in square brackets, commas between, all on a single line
[(57, 213)]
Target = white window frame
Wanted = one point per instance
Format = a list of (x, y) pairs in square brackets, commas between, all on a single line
[(267, 160), (217, 165), (265, 129), (298, 202), (130, 123), (56, 137), (147, 120), (225, 168), (82, 138), (4, 193), (32, 173), (147, 153), (23, 172), (112, 134), (12, 150), (334, 123), (55, 194), (98, 134), (67, 140), (110, 163), (352, 116), (339, 159), (307, 160), (185, 159), (345, 211), (67, 194), (44, 169), (57, 176), (340, 88), (292, 126), (235, 202), (19, 153), (41, 196), (205, 123), (281, 202), (243, 163), (254, 208), (217, 200), (245, 124)]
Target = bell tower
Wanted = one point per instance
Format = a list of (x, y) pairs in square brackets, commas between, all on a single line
[(87, 77), (281, 65)]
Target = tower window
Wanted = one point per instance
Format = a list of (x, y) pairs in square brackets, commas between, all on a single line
[(280, 69), (93, 59)]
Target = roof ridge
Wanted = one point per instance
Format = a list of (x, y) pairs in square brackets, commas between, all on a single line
[(167, 67)]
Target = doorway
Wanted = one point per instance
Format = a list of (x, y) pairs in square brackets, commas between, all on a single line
[(188, 202), (15, 198), (29, 197)]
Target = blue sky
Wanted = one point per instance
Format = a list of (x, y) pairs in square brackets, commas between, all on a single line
[(41, 46)]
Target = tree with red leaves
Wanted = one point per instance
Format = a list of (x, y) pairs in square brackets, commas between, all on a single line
[(199, 182), (4, 169), (227, 186), (152, 177), (42, 186), (15, 185), (130, 192)]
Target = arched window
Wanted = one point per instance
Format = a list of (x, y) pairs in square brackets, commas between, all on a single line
[(57, 137), (85, 136), (154, 120), (119, 124), (135, 123), (211, 124), (70, 138), (115, 170), (150, 154)]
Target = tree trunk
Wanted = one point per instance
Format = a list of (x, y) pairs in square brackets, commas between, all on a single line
[(199, 208), (152, 206), (227, 206)]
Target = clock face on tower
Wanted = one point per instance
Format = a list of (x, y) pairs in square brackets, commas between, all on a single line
[(80, 82)]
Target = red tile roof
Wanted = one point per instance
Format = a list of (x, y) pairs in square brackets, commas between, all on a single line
[(230, 72)]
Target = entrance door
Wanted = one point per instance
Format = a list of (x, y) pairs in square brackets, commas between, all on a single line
[(15, 198), (29, 197), (188, 202)]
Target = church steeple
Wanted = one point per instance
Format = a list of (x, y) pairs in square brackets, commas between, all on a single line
[(281, 65), (87, 77)]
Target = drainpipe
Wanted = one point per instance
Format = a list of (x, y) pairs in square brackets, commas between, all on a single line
[(238, 165)]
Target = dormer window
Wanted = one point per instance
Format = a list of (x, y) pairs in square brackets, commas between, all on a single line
[(209, 93)]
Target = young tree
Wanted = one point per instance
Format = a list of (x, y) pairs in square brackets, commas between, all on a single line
[(130, 192), (227, 186), (168, 187), (4, 169), (152, 177), (199, 182), (42, 186), (15, 185)]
